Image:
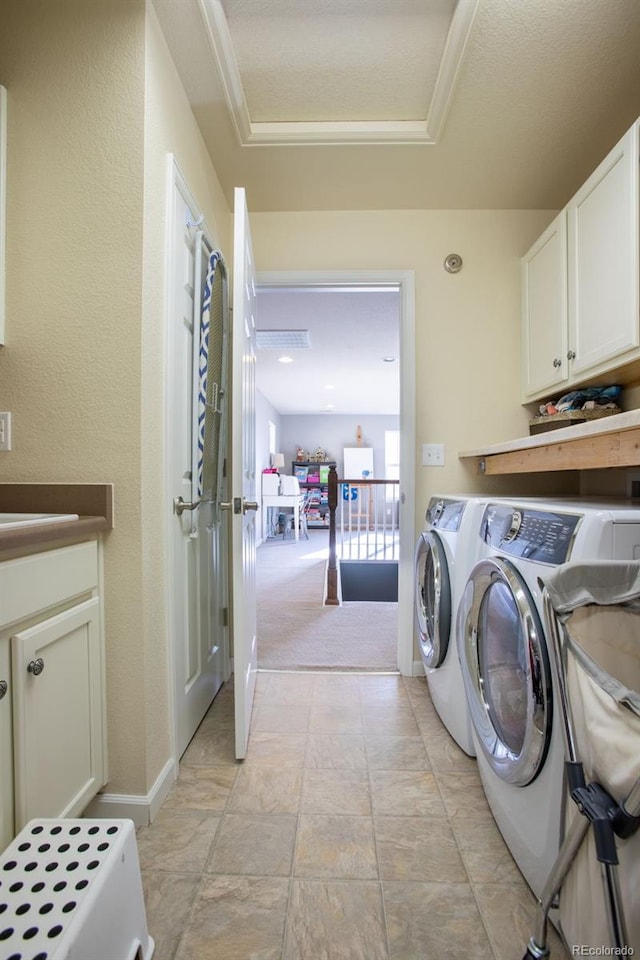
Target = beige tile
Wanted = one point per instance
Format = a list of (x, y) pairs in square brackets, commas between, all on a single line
[(327, 751), (333, 689), (484, 852), (281, 718), (445, 754), (168, 901), (335, 847), (201, 788), (396, 753), (434, 920), (345, 718), (406, 793), (277, 749), (263, 789), (178, 841), (212, 746), (400, 723), (509, 913), (236, 918), (417, 848), (252, 844), (463, 795), (378, 688), (336, 791), (335, 921), (289, 688)]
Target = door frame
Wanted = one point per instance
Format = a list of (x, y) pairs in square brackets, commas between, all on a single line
[(405, 279)]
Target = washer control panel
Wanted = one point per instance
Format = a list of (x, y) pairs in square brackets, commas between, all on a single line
[(445, 514), (544, 536)]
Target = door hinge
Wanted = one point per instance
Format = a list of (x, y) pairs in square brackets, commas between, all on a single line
[(225, 616)]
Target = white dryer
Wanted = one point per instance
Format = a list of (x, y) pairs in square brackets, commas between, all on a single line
[(445, 553), (505, 664)]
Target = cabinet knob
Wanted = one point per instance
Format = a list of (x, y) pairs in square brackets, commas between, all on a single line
[(571, 355), (36, 666), (557, 362), (4, 686)]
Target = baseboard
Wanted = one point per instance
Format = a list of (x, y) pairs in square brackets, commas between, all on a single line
[(418, 669), (141, 809)]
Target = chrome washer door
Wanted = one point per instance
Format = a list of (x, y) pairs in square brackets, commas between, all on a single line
[(506, 670), (433, 599)]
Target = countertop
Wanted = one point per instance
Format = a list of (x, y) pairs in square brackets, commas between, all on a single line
[(93, 502), (609, 442)]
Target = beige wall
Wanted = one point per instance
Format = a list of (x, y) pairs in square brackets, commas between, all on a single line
[(94, 106), (467, 324)]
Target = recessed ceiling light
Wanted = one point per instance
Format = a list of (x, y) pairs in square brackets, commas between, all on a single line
[(389, 359), (285, 359), (329, 386)]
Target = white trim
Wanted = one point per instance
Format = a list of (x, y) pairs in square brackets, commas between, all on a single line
[(426, 131), (406, 282), (142, 809)]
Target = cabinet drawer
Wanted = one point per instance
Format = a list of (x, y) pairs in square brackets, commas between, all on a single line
[(29, 585)]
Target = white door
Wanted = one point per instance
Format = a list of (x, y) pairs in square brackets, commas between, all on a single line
[(196, 631), (243, 476)]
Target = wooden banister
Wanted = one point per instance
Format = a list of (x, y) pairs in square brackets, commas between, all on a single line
[(332, 570)]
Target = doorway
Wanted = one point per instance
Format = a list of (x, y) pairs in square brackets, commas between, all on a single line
[(402, 282)]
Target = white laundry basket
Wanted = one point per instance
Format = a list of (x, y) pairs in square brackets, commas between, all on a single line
[(71, 890)]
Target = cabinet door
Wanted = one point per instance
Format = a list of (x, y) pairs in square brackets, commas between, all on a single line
[(58, 714), (6, 748), (603, 262), (544, 311)]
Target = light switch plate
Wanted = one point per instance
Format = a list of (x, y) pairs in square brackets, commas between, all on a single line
[(433, 454)]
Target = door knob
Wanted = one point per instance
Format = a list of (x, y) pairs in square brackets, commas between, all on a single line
[(36, 666), (571, 355), (557, 362), (4, 686), (240, 505)]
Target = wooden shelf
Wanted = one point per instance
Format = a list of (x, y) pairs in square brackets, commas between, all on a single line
[(610, 442)]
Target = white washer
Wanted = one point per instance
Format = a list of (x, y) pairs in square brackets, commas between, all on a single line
[(505, 664), (445, 552)]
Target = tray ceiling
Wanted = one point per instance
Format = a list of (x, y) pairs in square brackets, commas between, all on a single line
[(380, 71), (406, 104)]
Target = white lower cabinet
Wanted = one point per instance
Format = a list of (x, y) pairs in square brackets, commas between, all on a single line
[(53, 741)]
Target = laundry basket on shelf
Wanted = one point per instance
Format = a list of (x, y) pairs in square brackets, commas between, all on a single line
[(71, 890)]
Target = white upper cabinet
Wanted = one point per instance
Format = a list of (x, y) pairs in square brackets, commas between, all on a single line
[(580, 302), (603, 261), (544, 310)]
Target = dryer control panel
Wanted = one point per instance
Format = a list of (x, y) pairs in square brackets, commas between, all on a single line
[(545, 536)]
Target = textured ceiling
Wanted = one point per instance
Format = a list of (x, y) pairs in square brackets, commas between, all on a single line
[(544, 89), (344, 370)]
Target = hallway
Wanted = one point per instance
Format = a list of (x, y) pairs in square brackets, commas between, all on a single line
[(354, 830)]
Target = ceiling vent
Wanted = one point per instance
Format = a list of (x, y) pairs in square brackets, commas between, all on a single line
[(282, 339)]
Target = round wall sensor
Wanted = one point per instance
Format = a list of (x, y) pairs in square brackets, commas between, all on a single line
[(453, 263)]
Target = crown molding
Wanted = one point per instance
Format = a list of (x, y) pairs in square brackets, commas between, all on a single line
[(337, 132)]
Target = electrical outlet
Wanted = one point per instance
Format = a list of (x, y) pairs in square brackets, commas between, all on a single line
[(5, 431), (433, 454)]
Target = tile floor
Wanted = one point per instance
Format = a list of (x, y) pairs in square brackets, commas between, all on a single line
[(354, 830)]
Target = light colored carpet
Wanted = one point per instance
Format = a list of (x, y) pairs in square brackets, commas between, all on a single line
[(295, 630)]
